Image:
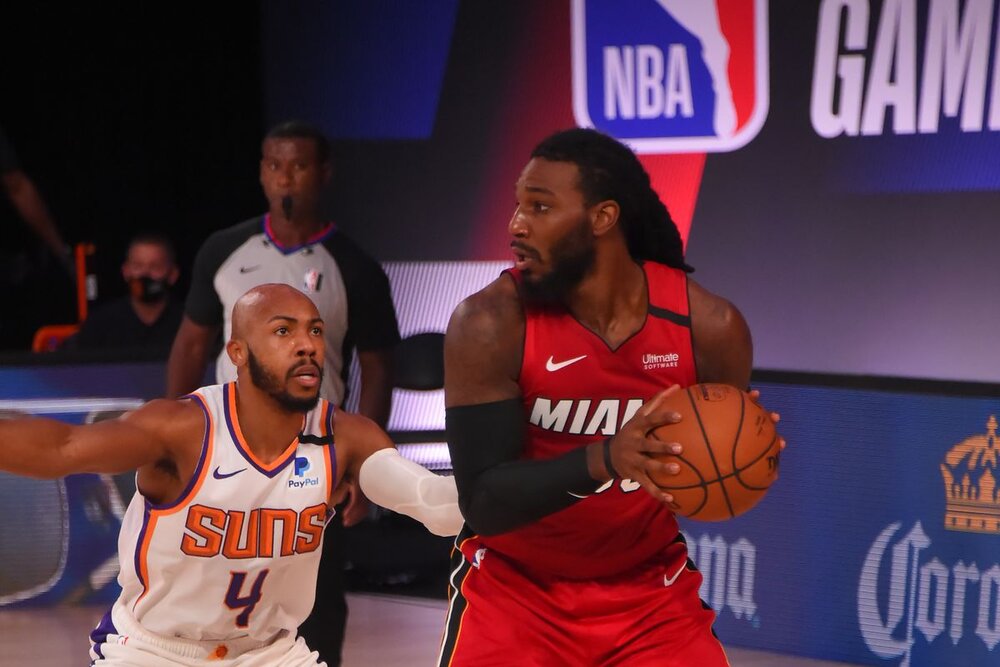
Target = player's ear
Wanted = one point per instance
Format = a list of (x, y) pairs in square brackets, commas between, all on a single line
[(237, 351), (604, 216)]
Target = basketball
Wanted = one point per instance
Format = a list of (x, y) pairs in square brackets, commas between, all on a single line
[(730, 455)]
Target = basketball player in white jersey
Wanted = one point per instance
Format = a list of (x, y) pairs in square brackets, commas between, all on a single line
[(220, 546)]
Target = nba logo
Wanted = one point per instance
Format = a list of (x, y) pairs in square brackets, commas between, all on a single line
[(671, 76), (312, 281)]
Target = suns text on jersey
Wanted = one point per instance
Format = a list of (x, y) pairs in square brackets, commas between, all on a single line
[(210, 531)]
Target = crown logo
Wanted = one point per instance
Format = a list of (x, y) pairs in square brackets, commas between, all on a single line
[(970, 483)]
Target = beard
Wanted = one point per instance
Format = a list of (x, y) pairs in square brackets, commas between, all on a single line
[(572, 257), (268, 382)]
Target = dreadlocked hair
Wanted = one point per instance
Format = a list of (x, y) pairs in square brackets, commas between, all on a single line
[(610, 170)]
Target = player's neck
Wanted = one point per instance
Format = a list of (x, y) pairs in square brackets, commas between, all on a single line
[(297, 230), (267, 427), (612, 300)]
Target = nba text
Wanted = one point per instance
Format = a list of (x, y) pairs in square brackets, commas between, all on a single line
[(644, 82)]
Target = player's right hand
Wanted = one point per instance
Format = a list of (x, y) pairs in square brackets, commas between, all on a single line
[(631, 447)]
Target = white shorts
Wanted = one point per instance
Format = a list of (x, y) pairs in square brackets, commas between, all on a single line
[(127, 644)]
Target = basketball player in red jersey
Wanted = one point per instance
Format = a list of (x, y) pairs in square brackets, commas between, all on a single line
[(553, 376)]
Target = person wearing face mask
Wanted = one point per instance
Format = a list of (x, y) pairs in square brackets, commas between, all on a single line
[(147, 317)]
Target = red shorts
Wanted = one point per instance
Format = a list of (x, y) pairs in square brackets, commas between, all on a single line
[(501, 614)]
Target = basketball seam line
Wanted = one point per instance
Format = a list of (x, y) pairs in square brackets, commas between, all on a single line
[(733, 475), (762, 455), (703, 483), (708, 446)]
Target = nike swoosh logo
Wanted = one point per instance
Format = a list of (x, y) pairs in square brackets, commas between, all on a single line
[(667, 581), (248, 269), (552, 365), (222, 475)]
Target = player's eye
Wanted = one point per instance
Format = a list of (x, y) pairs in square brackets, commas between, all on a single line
[(317, 331), (281, 331), (539, 207)]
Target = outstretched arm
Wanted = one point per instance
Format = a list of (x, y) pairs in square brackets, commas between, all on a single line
[(47, 448), (393, 482)]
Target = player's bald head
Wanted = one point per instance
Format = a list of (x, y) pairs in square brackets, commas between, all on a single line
[(277, 346), (266, 302)]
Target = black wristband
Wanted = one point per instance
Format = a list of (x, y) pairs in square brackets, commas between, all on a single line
[(606, 446)]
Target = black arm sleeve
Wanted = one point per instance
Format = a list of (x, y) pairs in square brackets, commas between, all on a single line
[(496, 491)]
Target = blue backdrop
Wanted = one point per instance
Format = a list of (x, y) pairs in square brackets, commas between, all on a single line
[(848, 557)]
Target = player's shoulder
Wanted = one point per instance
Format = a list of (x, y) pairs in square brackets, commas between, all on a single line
[(351, 423), (492, 311), (723, 346), (710, 310), (178, 421), (167, 409), (356, 434)]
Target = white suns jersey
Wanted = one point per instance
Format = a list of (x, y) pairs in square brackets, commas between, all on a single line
[(237, 554)]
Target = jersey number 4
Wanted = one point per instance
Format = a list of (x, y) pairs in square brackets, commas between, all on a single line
[(248, 602)]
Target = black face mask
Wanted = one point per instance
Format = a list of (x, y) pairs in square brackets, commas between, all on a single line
[(149, 290)]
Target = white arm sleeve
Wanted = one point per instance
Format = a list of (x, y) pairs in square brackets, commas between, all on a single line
[(401, 485)]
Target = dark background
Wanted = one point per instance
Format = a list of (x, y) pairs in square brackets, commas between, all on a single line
[(134, 117), (857, 255)]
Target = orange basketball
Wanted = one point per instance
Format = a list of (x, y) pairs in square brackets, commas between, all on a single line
[(730, 455)]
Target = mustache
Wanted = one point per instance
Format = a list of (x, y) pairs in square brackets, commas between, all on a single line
[(525, 250), (303, 364)]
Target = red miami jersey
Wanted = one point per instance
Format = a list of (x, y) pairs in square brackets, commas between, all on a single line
[(577, 390)]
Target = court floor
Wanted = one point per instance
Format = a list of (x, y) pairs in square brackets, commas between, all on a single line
[(383, 631)]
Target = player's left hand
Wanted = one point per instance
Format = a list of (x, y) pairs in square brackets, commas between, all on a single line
[(633, 449)]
